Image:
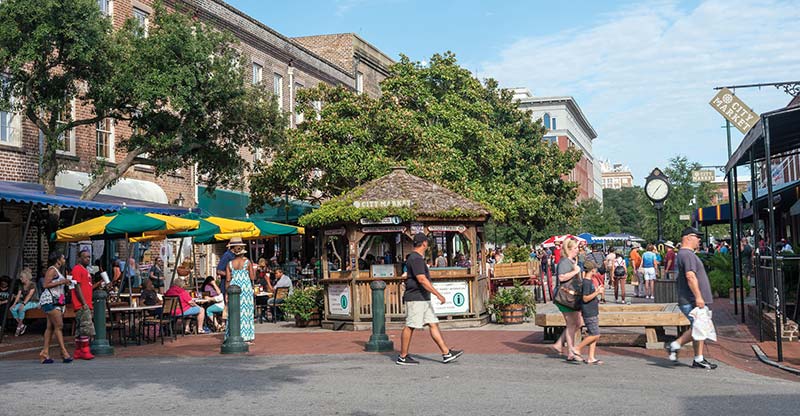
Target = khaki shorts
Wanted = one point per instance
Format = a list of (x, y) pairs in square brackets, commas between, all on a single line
[(419, 314)]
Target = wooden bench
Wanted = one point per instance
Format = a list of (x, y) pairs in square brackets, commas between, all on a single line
[(654, 317), (69, 315)]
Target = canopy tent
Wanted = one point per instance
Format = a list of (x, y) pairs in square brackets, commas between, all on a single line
[(233, 204), (619, 237), (550, 242), (590, 238)]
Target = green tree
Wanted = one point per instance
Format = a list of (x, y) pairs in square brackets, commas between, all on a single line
[(443, 125), (628, 203), (180, 88), (597, 218)]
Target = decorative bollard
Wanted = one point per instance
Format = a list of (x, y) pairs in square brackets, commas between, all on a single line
[(234, 344), (378, 341), (100, 345)]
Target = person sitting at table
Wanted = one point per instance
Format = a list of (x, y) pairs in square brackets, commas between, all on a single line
[(157, 274), (463, 261), (282, 280), (150, 297), (210, 286), (190, 308)]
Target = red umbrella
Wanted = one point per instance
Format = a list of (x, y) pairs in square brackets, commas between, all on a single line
[(550, 242)]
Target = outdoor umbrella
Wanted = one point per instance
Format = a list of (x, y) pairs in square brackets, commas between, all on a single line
[(122, 223), (208, 227), (550, 242), (264, 229)]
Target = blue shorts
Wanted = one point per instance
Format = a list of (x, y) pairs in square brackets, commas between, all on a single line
[(194, 310), (49, 307)]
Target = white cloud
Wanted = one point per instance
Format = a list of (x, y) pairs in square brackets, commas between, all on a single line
[(644, 74), (344, 6)]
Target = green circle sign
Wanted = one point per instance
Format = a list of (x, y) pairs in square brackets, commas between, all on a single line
[(343, 302), (458, 299)]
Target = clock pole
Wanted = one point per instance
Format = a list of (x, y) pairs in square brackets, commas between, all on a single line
[(659, 207), (654, 184)]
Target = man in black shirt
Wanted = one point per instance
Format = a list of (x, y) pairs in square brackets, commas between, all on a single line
[(419, 310)]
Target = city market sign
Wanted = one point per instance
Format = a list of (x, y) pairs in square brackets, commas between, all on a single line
[(386, 229), (447, 228), (703, 175), (383, 221), (335, 231), (388, 203), (734, 110)]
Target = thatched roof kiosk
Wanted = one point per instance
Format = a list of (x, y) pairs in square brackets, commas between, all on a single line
[(367, 234)]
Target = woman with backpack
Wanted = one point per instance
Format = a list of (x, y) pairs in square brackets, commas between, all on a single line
[(619, 271), (569, 280)]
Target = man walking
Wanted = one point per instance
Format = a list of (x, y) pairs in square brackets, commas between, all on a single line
[(419, 309), (747, 258), (82, 304), (694, 291)]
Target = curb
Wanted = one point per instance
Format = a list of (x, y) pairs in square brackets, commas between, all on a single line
[(766, 360), (12, 352)]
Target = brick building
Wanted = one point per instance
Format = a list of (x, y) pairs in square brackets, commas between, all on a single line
[(567, 127), (615, 175), (284, 64)]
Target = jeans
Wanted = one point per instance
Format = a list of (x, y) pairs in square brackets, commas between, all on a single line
[(18, 311), (215, 308)]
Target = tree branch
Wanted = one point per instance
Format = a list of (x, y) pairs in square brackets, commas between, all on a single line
[(109, 175)]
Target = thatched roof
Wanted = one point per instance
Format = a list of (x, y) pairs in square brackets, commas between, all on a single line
[(397, 194), (427, 198)]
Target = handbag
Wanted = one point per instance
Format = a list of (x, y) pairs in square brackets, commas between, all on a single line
[(568, 296)]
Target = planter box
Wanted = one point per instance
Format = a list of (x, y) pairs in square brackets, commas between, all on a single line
[(512, 314), (314, 320)]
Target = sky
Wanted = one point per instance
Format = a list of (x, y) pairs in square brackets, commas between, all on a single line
[(643, 73)]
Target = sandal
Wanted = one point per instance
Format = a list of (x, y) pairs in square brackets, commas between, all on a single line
[(572, 359), (45, 359), (576, 354), (595, 362)]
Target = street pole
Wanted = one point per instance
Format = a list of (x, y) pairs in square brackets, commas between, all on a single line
[(659, 207), (732, 189)]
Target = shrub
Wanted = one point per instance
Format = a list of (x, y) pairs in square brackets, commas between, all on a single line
[(517, 295), (303, 301)]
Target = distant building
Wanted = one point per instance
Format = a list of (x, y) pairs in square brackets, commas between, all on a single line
[(567, 127), (616, 175), (719, 192)]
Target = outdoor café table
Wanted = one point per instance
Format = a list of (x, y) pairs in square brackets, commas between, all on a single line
[(261, 300), (133, 312)]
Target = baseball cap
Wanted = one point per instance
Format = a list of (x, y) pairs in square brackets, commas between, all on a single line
[(691, 230), (420, 238)]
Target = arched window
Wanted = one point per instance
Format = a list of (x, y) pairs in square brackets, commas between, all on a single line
[(546, 121)]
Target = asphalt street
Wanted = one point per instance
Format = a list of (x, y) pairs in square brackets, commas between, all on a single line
[(370, 384)]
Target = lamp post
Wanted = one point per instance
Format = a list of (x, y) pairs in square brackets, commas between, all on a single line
[(657, 188)]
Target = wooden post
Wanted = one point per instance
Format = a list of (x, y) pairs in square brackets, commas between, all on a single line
[(353, 237), (323, 258)]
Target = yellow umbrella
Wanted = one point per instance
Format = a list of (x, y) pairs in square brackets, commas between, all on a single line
[(122, 223)]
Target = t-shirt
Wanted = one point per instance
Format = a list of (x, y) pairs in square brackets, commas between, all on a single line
[(592, 307), (414, 291), (557, 255), (184, 297), (284, 281), (747, 255), (670, 260), (649, 260), (636, 258), (149, 297), (689, 262), (564, 266), (81, 275), (224, 260), (597, 258)]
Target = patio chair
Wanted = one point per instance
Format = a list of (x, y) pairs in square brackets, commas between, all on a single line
[(279, 295), (118, 324), (162, 321)]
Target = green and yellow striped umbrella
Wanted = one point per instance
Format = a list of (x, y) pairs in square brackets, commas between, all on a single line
[(123, 223), (264, 229)]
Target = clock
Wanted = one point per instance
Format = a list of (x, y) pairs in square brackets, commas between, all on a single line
[(657, 186)]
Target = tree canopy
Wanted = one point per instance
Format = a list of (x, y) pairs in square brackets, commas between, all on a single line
[(180, 87), (438, 121), (597, 218)]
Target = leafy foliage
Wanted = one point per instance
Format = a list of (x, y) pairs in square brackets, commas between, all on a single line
[(597, 219), (517, 295), (180, 88), (628, 204), (517, 253), (303, 302), (439, 122)]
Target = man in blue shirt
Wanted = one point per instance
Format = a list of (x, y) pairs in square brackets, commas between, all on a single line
[(222, 269)]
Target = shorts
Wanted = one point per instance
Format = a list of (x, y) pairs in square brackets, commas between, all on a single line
[(564, 309), (649, 273), (592, 324), (49, 307), (419, 314), (194, 310)]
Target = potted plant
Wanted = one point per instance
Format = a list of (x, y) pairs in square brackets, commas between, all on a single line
[(305, 304), (511, 305)]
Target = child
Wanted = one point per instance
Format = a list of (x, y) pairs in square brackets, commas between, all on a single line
[(598, 279), (590, 312)]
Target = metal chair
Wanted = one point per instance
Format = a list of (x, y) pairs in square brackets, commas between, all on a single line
[(163, 321), (279, 295)]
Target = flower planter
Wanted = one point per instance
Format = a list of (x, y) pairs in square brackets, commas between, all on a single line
[(314, 320), (512, 314)]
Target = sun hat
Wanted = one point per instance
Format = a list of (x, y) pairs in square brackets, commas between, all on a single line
[(669, 244), (236, 241)]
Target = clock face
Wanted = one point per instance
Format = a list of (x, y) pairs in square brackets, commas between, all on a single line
[(657, 189)]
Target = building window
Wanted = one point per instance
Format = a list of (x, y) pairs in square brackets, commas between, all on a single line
[(66, 140), (142, 18), (258, 70), (546, 121), (553, 123), (10, 124), (105, 139), (298, 116), (277, 86), (317, 108), (106, 7), (359, 83)]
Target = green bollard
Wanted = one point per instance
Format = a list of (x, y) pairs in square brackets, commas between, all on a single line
[(378, 341), (234, 344), (100, 345)]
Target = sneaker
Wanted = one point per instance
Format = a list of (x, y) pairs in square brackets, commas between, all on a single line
[(407, 360), (22, 329), (451, 356), (703, 364), (19, 328), (672, 354)]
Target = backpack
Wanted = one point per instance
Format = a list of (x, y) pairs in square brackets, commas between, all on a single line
[(601, 264), (620, 270)]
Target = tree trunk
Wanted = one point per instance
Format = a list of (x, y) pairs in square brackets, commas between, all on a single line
[(110, 175)]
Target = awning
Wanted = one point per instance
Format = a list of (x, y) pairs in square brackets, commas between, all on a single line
[(233, 204), (795, 209), (26, 192), (136, 189), (715, 214), (784, 133)]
